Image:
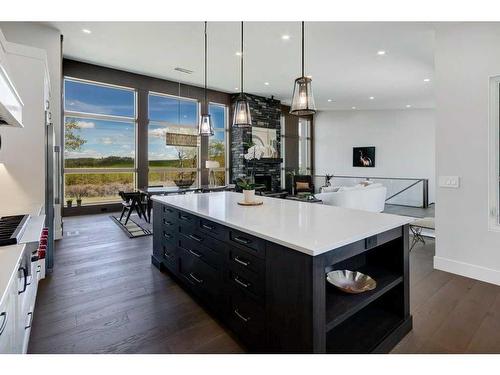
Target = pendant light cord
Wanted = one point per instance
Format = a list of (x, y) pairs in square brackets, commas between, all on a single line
[(206, 103), (302, 48), (241, 57)]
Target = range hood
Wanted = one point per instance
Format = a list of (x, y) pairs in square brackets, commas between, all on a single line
[(11, 106)]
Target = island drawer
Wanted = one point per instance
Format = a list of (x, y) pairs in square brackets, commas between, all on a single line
[(168, 236), (187, 219), (242, 260), (213, 229), (169, 212), (202, 238), (249, 243), (202, 278), (247, 319), (169, 221), (201, 252), (247, 282), (170, 256)]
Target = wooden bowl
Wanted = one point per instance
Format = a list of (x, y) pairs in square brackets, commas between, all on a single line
[(351, 281)]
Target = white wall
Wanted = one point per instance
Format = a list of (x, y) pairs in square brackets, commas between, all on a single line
[(467, 54), (404, 141)]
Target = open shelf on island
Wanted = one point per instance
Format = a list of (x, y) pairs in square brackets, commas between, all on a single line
[(340, 305), (366, 331)]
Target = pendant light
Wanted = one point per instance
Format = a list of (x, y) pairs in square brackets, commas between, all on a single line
[(242, 117), (303, 99), (205, 126)]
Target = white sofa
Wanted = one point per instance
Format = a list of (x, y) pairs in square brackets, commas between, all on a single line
[(359, 197)]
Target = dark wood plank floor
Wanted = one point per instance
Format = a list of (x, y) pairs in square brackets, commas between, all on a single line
[(104, 296)]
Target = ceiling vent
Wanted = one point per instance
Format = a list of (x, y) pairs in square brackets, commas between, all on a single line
[(182, 70)]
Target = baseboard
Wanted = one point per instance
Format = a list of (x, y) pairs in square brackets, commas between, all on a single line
[(468, 270)]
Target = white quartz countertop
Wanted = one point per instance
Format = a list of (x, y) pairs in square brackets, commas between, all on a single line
[(310, 228), (10, 255)]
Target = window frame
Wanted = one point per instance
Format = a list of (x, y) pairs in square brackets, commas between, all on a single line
[(166, 123), (96, 116), (225, 130)]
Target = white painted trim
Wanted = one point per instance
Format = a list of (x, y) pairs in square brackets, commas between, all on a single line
[(493, 152), (468, 270)]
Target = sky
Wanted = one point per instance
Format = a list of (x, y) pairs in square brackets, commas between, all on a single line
[(117, 138)]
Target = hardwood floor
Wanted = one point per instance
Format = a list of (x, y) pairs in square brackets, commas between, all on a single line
[(104, 296)]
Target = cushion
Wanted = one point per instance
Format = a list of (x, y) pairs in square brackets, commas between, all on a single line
[(302, 185), (329, 189)]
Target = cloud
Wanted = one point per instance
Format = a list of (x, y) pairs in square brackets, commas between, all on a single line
[(158, 132), (106, 140), (86, 124)]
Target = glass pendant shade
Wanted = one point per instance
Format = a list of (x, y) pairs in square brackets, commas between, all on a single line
[(303, 99), (205, 126), (242, 117)]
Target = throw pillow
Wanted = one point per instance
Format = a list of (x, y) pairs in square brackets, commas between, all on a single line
[(302, 185)]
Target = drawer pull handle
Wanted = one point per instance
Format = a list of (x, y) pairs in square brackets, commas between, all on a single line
[(196, 238), (241, 316), (167, 235), (199, 281), (242, 283), (242, 262), (4, 322), (242, 240), (25, 275), (185, 218), (197, 255), (30, 314), (167, 254), (167, 222), (167, 210), (207, 227)]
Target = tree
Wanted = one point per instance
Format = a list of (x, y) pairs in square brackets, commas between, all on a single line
[(72, 141), (216, 151)]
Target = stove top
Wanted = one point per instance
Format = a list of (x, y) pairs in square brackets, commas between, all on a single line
[(12, 228)]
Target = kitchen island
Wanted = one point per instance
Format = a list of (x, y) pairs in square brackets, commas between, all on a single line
[(262, 270)]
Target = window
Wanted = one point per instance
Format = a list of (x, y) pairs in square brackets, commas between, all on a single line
[(99, 141), (304, 146), (173, 142), (217, 144)]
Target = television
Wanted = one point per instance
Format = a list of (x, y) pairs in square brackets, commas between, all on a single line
[(363, 157)]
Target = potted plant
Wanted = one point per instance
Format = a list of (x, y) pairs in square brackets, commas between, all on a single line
[(80, 191), (248, 189), (69, 203)]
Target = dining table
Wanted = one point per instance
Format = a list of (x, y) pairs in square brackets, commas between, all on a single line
[(150, 191)]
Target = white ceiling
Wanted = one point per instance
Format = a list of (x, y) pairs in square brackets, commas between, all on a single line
[(341, 57)]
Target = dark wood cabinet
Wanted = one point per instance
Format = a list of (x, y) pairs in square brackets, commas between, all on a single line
[(276, 299)]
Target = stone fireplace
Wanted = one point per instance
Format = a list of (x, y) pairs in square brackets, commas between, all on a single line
[(266, 113)]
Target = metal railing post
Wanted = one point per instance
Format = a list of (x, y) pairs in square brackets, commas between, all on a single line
[(425, 192)]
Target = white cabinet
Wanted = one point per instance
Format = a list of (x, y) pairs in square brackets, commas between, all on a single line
[(8, 321)]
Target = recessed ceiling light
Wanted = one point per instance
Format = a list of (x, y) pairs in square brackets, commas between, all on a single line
[(285, 37), (330, 100), (236, 88), (427, 79), (86, 31), (371, 97), (238, 53), (353, 107), (266, 83), (381, 53), (408, 106)]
